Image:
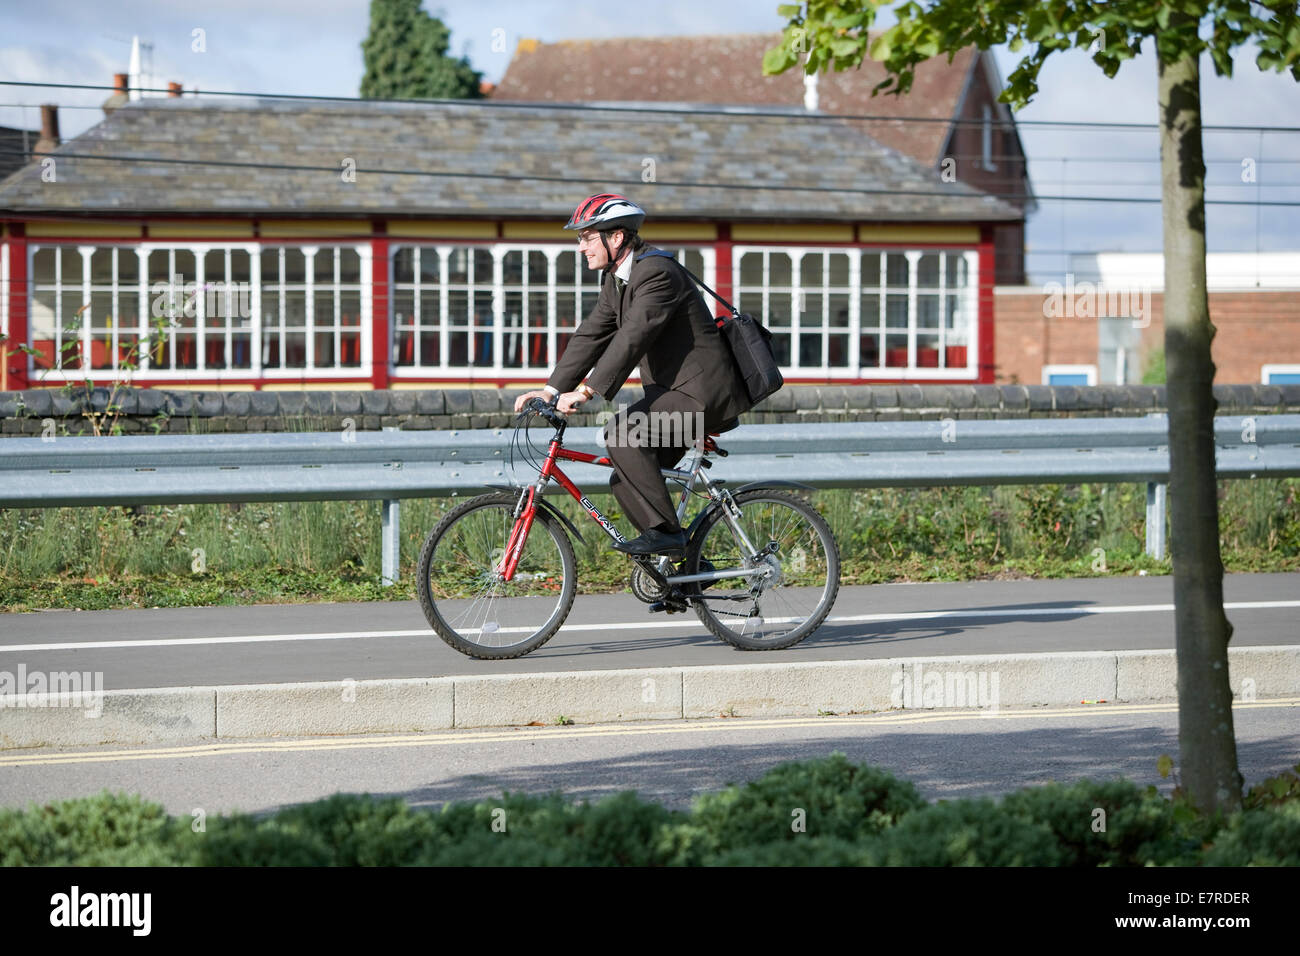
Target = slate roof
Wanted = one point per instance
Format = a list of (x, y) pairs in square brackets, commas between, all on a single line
[(728, 69), (15, 148), (599, 150)]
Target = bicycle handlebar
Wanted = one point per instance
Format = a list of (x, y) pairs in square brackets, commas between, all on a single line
[(545, 409)]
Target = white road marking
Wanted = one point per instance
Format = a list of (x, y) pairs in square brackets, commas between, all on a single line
[(630, 625)]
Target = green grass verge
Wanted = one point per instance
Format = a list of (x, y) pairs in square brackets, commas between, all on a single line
[(189, 555)]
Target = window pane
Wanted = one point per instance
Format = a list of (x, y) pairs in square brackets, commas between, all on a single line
[(956, 268), (404, 265), (779, 269), (270, 267), (927, 271), (869, 351), (71, 265), (810, 350), (430, 305), (185, 264), (870, 311), (324, 305), (349, 266), (896, 269), (240, 261), (295, 309), (43, 266), (896, 310), (295, 266), (839, 269), (839, 310), (565, 268), (810, 270), (927, 351), (838, 354), (778, 309), (214, 266), (128, 266), (101, 267), (896, 351), (927, 311), (323, 266), (870, 269), (751, 269), (813, 308), (350, 305)]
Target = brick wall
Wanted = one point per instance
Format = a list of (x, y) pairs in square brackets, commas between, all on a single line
[(145, 411), (1254, 329)]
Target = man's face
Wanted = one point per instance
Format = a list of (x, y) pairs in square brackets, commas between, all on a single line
[(589, 245)]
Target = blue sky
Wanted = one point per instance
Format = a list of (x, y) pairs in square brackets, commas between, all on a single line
[(286, 46)]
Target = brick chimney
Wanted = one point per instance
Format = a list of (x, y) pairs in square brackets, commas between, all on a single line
[(119, 97), (49, 140), (174, 90)]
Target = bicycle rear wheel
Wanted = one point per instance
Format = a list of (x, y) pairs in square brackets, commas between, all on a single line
[(464, 598), (796, 571)]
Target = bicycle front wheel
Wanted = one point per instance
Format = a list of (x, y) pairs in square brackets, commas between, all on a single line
[(794, 570), (463, 596)]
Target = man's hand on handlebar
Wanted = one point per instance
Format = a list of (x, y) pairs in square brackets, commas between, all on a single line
[(564, 403), (524, 399)]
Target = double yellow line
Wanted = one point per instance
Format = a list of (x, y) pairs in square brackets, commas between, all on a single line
[(708, 725)]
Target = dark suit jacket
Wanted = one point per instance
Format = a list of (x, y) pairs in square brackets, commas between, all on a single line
[(662, 324)]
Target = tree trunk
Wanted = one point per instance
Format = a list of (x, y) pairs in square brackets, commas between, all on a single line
[(1207, 746)]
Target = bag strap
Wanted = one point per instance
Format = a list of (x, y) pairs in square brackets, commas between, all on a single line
[(668, 255)]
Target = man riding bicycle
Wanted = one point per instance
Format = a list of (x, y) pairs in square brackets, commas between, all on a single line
[(650, 314)]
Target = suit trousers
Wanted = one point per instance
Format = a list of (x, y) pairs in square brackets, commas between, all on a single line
[(648, 435)]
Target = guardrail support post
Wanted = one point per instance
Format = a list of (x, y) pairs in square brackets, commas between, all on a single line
[(392, 540), (1156, 519)]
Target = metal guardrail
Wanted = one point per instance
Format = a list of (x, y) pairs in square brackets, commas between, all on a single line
[(390, 465)]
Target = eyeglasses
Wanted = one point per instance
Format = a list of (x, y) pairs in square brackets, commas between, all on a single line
[(584, 238)]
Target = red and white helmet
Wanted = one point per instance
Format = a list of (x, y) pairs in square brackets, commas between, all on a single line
[(606, 211)]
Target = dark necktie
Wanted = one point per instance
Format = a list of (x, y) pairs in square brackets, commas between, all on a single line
[(618, 286)]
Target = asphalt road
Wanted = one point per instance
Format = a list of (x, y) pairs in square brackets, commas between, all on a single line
[(947, 755), (319, 642)]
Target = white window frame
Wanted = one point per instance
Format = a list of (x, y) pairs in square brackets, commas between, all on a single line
[(1089, 370), (967, 308), (200, 250), (590, 283), (1266, 372)]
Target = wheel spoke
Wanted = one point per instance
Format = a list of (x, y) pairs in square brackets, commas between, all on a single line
[(789, 604), (465, 601)]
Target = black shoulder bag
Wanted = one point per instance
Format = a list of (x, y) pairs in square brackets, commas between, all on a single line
[(748, 339)]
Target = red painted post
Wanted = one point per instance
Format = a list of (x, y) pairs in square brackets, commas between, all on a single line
[(15, 366), (380, 353), (985, 318), (723, 257)]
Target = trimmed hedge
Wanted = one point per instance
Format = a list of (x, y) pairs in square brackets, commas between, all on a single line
[(824, 812)]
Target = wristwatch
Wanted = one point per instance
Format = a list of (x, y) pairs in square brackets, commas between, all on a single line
[(586, 390)]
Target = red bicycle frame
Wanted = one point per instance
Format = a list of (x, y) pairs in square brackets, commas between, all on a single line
[(556, 452)]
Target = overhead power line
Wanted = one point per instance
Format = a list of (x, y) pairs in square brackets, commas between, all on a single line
[(765, 112), (606, 180)]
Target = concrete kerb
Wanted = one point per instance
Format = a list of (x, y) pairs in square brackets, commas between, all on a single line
[(986, 682)]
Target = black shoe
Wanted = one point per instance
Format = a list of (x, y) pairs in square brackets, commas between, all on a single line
[(653, 542)]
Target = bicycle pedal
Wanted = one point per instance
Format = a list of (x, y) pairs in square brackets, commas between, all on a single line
[(672, 607)]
